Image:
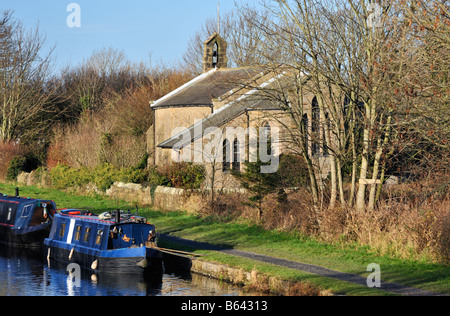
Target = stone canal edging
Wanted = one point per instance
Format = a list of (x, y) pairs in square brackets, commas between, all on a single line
[(253, 280)]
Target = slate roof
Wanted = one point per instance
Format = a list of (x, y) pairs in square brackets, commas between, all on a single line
[(211, 85), (252, 100), (218, 83), (217, 119)]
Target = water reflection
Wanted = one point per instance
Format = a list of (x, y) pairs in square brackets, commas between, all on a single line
[(26, 273)]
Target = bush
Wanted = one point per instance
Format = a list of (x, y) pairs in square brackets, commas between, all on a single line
[(184, 175), (103, 176), (155, 178), (293, 171), (15, 167), (7, 152), (56, 154), (187, 176), (64, 177), (22, 163)]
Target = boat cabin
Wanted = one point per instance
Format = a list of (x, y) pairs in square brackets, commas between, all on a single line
[(24, 212), (24, 221), (86, 230)]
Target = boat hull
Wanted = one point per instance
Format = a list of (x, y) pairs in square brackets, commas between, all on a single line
[(139, 260), (32, 237)]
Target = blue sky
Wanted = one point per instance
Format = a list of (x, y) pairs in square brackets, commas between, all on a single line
[(138, 27)]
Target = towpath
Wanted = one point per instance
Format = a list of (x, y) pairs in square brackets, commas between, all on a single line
[(314, 269)]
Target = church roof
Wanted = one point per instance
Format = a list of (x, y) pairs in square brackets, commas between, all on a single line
[(251, 100), (211, 85), (216, 119), (212, 37)]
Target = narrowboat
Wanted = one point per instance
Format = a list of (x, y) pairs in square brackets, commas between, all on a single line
[(25, 222), (112, 242)]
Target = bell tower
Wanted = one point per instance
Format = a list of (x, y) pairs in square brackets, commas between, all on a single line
[(215, 53)]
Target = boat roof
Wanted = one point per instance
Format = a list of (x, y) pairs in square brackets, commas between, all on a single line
[(21, 200), (91, 217), (84, 215)]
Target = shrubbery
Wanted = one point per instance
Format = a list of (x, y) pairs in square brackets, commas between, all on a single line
[(184, 175), (187, 176), (22, 163), (7, 152), (103, 176)]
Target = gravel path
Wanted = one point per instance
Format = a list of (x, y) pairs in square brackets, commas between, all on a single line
[(353, 278)]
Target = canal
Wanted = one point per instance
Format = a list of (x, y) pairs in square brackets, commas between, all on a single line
[(27, 273)]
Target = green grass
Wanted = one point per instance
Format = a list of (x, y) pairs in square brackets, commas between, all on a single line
[(349, 259), (244, 236)]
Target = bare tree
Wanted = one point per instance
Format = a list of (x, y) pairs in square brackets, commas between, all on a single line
[(193, 57), (105, 73), (25, 88), (301, 36), (422, 84), (241, 30), (340, 53)]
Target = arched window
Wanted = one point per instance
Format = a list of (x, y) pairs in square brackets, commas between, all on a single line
[(305, 128), (267, 133), (215, 56), (327, 127), (226, 158), (315, 127), (315, 115), (236, 156)]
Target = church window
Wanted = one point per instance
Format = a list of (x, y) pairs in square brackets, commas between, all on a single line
[(315, 115), (236, 156), (305, 128), (267, 132), (215, 56), (226, 155), (315, 127), (325, 147)]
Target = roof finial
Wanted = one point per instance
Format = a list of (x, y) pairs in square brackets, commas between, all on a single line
[(218, 17)]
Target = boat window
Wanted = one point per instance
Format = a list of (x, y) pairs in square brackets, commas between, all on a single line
[(27, 210), (98, 240), (78, 233), (87, 233), (62, 230)]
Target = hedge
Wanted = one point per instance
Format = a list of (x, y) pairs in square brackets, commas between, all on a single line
[(187, 176)]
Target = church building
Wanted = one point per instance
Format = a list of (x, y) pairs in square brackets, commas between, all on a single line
[(219, 117)]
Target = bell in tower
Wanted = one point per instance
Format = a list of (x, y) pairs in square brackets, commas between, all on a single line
[(215, 53)]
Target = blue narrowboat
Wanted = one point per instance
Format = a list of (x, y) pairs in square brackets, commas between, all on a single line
[(112, 242), (25, 222)]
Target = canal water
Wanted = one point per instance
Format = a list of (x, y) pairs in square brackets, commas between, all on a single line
[(27, 273)]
